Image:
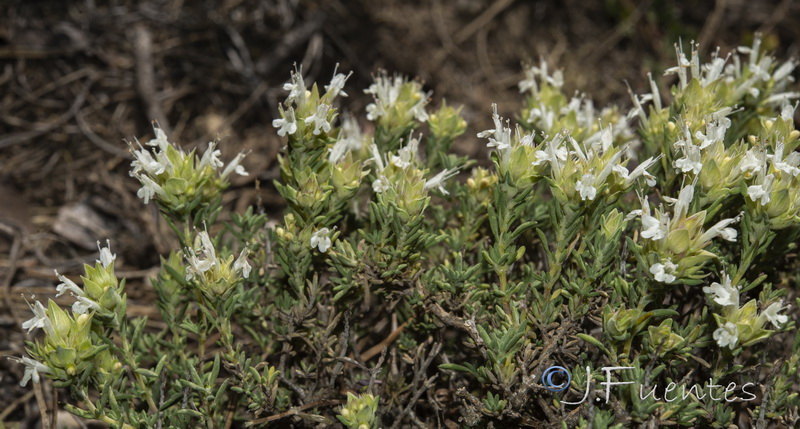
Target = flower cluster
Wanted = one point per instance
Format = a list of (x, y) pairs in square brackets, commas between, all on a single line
[(675, 244), (71, 349), (398, 102), (549, 111), (771, 177), (360, 411), (578, 171), (400, 178), (741, 325), (181, 182), (694, 133), (101, 293), (212, 273)]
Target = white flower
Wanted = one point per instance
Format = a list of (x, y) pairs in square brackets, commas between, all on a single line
[(610, 164), (320, 119), (787, 111), (206, 246), (502, 143), (691, 159), (725, 294), (529, 83), (419, 109), (406, 155), (67, 285), (552, 153), (685, 197), (543, 117), (321, 240), (83, 305), (235, 166), (377, 159), (715, 132), (721, 229), (296, 88), (784, 71), (680, 69), (664, 273), (728, 234), (160, 141), (374, 111), (789, 165), (641, 171), (654, 91), (210, 157), (149, 189), (241, 265), (653, 228), (338, 150), (556, 80), (145, 161), (32, 369), (761, 192), (606, 138), (385, 88), (771, 313), (713, 70), (385, 91), (622, 171), (637, 109), (586, 188), (782, 97), (595, 148), (286, 124), (525, 139), (500, 136), (197, 265), (39, 319), (751, 162), (727, 335), (437, 181), (336, 87), (351, 133), (381, 184), (106, 257)]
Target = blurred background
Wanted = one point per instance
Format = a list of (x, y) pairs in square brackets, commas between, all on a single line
[(80, 79)]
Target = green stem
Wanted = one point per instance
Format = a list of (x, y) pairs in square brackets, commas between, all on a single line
[(187, 232), (131, 361), (97, 414), (201, 347), (113, 423)]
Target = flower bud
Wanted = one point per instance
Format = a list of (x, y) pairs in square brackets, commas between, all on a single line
[(619, 324), (447, 122), (359, 411), (613, 223), (481, 185), (662, 338)]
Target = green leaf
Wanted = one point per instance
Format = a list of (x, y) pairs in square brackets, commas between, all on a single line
[(595, 342)]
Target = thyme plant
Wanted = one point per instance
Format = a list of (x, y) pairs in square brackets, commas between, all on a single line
[(611, 269)]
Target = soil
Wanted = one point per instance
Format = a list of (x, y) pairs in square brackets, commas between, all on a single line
[(80, 79)]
